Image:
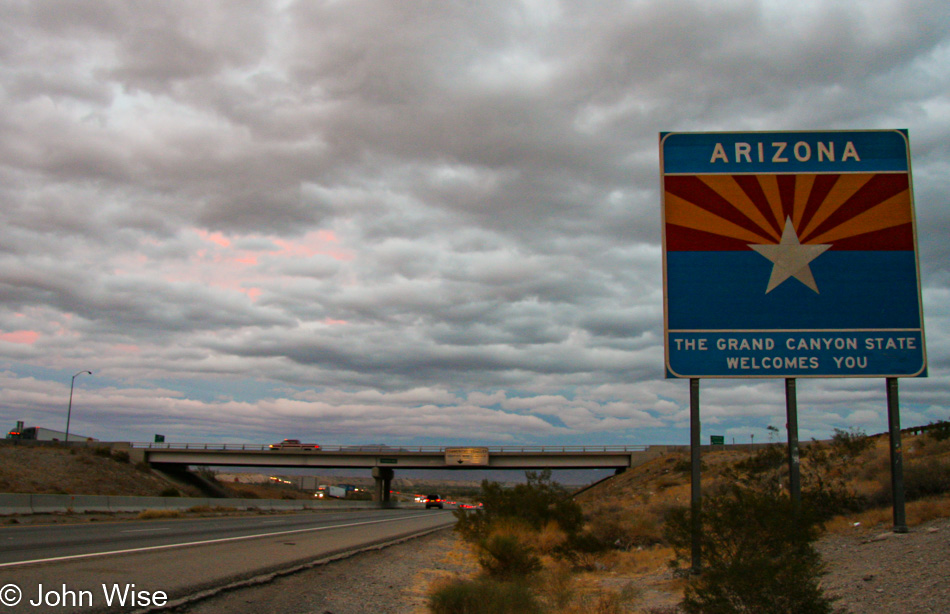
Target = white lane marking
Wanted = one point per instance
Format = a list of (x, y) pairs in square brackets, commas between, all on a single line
[(145, 530), (207, 541)]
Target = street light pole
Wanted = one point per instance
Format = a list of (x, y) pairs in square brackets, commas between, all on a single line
[(69, 412)]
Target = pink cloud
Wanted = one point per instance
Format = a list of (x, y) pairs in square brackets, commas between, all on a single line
[(312, 244), (27, 337), (215, 237)]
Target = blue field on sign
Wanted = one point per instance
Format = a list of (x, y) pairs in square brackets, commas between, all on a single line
[(726, 291)]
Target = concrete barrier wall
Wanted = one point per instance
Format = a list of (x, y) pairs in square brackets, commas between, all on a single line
[(15, 504), (80, 504)]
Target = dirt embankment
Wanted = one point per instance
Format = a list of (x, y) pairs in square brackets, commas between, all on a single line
[(55, 469)]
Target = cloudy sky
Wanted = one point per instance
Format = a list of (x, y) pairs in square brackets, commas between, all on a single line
[(413, 222)]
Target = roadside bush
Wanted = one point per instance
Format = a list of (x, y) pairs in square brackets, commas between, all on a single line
[(503, 556), (483, 596), (102, 451), (581, 551), (926, 479), (619, 528), (604, 601), (120, 456), (851, 443), (757, 555), (939, 431), (535, 503), (825, 487), (169, 492), (206, 474), (685, 465), (772, 458)]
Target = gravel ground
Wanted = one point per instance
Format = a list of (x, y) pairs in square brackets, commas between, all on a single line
[(890, 573), (869, 573)]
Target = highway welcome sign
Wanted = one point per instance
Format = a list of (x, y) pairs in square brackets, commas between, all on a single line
[(790, 254)]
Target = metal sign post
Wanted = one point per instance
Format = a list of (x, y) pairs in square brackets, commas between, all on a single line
[(794, 461), (696, 495), (897, 456)]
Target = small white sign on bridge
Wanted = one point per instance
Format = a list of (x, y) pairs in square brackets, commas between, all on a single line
[(466, 456)]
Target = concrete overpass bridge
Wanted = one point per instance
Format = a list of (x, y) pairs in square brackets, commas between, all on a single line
[(383, 461)]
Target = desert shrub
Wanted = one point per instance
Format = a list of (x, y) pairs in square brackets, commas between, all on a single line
[(757, 554), (581, 551), (622, 529), (549, 538), (828, 498), (483, 596), (926, 479), (851, 443), (604, 601), (767, 459), (685, 465), (120, 456), (102, 451), (556, 587), (503, 556), (169, 492), (206, 474), (825, 487), (535, 503), (939, 431)]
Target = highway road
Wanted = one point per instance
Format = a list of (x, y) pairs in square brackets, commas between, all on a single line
[(89, 565)]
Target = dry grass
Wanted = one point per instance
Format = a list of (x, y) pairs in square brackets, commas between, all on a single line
[(644, 561), (644, 495), (634, 505), (158, 514), (264, 491), (458, 561), (882, 518)]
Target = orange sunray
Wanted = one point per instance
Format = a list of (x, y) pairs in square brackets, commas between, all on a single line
[(894, 211), (803, 187), (843, 189), (726, 186), (769, 184), (684, 213)]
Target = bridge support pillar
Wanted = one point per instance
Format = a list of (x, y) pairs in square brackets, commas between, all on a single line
[(383, 477)]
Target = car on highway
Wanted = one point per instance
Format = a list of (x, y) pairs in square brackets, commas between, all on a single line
[(294, 444), (435, 501)]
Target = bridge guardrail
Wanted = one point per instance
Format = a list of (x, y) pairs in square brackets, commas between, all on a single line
[(384, 449)]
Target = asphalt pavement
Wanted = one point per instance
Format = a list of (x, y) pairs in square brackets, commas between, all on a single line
[(85, 567)]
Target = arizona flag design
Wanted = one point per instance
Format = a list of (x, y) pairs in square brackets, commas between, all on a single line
[(796, 249)]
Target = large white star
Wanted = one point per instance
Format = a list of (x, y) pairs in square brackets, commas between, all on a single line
[(790, 258)]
